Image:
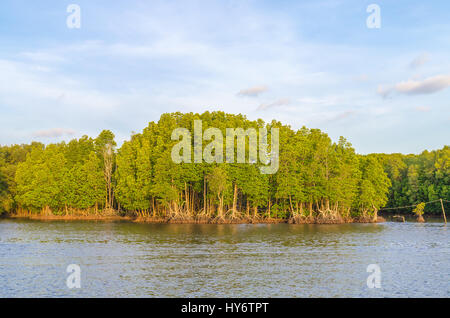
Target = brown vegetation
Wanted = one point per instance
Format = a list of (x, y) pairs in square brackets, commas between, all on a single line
[(231, 217)]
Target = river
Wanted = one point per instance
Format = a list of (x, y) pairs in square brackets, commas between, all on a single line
[(125, 259)]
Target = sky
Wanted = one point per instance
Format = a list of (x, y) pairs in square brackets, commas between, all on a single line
[(305, 63)]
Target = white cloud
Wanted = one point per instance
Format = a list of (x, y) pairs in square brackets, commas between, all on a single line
[(384, 91), (423, 108), (54, 132), (280, 102), (415, 87), (253, 91), (419, 61), (344, 114), (427, 86)]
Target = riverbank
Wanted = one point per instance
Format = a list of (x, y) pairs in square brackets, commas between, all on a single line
[(70, 217), (192, 220)]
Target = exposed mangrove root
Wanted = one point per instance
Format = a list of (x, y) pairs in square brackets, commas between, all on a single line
[(178, 214), (399, 218)]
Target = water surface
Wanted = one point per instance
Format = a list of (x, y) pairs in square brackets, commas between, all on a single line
[(123, 259)]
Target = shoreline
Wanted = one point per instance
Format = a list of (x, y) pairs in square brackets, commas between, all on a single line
[(151, 220)]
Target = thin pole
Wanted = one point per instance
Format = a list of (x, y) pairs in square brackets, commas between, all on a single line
[(443, 211)]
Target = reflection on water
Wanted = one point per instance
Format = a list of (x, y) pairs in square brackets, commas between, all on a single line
[(122, 259)]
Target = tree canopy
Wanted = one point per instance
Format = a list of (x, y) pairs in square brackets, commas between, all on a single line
[(318, 180), (418, 178)]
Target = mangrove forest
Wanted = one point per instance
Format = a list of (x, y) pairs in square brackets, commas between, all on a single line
[(317, 181)]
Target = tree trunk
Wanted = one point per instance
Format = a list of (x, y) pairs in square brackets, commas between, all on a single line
[(375, 213), (204, 195), (235, 201), (186, 197), (290, 204)]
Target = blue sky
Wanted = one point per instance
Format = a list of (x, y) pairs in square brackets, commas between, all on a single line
[(312, 63)]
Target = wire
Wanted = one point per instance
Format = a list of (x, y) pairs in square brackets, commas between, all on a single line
[(410, 206)]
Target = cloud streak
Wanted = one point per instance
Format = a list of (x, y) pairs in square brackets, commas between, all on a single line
[(428, 86), (253, 91), (54, 132), (423, 108), (280, 102), (419, 61), (413, 87)]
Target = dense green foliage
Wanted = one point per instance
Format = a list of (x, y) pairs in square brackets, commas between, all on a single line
[(418, 178), (419, 209), (62, 176), (317, 180), (10, 157)]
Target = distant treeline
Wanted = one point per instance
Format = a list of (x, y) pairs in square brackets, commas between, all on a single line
[(317, 180), (418, 178)]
